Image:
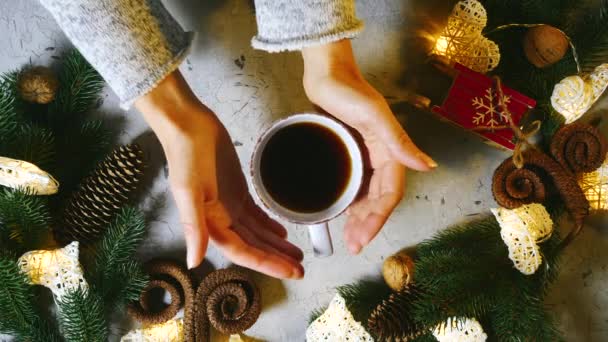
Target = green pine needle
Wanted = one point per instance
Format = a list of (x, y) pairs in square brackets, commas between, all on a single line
[(9, 114), (36, 145), (117, 276), (363, 297), (81, 317), (16, 299), (120, 241), (79, 91), (24, 219), (316, 313)]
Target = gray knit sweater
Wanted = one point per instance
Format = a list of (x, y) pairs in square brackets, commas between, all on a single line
[(134, 44)]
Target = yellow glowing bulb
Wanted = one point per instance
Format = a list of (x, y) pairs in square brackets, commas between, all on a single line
[(595, 187), (441, 46), (169, 331)]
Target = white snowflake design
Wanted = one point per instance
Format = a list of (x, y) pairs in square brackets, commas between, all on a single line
[(488, 111)]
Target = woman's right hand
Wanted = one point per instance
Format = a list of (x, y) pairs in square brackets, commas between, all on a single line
[(198, 150)]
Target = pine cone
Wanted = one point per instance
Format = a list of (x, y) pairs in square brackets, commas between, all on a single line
[(38, 85), (101, 196), (392, 320)]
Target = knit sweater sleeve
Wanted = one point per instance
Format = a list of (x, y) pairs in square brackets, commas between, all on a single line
[(134, 44), (295, 24)]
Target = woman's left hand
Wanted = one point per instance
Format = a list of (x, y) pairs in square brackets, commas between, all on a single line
[(333, 81)]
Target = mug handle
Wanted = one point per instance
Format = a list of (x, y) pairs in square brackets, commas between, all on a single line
[(321, 240)]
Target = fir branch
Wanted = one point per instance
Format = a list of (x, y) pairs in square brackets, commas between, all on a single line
[(34, 144), (118, 277), (9, 115), (16, 299), (81, 148), (81, 317), (363, 297), (120, 241), (590, 35), (129, 281), (24, 219), (80, 88), (316, 313)]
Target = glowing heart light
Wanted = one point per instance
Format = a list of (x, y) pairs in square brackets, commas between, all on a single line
[(460, 330), (169, 331), (462, 40), (595, 187), (21, 174), (58, 269), (337, 324), (574, 95), (522, 229)]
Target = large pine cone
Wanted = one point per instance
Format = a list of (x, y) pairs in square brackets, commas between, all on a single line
[(392, 319), (101, 196)]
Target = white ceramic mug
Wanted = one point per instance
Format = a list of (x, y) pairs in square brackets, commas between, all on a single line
[(317, 222)]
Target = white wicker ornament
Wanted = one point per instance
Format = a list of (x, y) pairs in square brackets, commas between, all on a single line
[(461, 40), (595, 187), (460, 330), (169, 331), (21, 174), (522, 229), (58, 269), (337, 324), (574, 95)]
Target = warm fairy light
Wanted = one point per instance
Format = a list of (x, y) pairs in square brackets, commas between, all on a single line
[(574, 95), (58, 269), (21, 174), (521, 230), (337, 324), (169, 331), (595, 187), (441, 46), (462, 40)]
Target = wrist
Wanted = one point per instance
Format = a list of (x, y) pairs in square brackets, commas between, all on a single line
[(172, 109), (330, 59)]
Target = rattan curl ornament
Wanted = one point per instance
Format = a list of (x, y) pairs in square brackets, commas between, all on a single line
[(579, 148), (173, 278), (229, 300), (575, 148), (226, 299)]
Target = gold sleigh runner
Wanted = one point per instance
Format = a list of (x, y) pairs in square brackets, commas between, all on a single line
[(226, 299)]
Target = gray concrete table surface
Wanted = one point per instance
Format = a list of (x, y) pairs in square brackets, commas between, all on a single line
[(249, 89)]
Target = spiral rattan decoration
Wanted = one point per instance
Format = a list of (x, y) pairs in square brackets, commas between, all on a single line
[(576, 148), (173, 278), (513, 187), (579, 148), (226, 299)]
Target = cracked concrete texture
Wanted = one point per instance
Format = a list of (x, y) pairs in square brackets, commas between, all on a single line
[(249, 89)]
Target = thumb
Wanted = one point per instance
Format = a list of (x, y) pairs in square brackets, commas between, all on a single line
[(192, 213), (407, 153), (197, 239), (401, 146)]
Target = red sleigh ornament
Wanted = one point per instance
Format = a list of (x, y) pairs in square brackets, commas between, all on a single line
[(472, 103)]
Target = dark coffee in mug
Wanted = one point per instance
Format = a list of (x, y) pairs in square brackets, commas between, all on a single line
[(305, 167)]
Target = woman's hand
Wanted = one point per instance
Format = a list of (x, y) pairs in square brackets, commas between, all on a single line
[(209, 188), (332, 81)]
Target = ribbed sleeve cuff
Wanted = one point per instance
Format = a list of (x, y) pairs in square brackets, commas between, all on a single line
[(133, 44), (294, 24)]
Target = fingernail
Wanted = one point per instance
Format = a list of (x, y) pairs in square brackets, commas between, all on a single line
[(298, 273), (190, 258), (429, 161), (354, 248)]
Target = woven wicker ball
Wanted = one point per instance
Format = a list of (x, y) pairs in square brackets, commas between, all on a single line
[(398, 270), (38, 85), (545, 45)]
